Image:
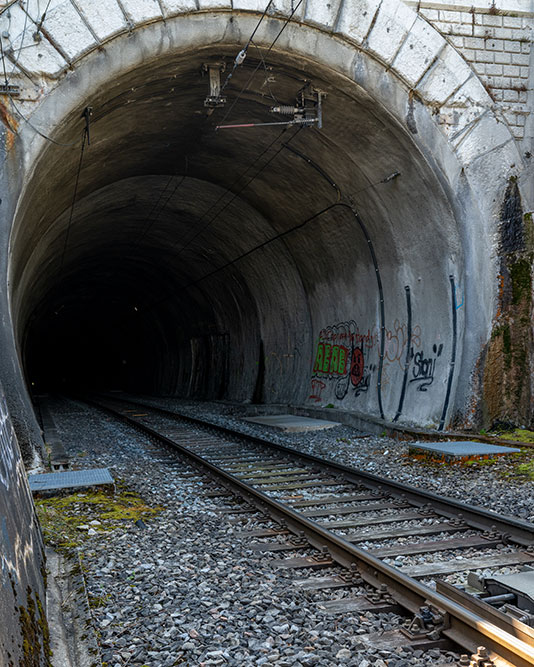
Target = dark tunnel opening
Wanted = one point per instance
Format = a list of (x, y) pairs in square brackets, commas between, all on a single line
[(215, 264)]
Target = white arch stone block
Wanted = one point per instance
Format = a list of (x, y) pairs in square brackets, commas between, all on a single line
[(106, 19), (356, 17), (445, 78), (285, 7), (464, 107), (393, 23), (322, 13), (141, 11), (66, 28), (215, 4), (415, 56), (173, 7), (250, 5), (482, 137)]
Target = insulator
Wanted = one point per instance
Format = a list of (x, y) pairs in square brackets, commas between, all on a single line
[(284, 109), (240, 58)]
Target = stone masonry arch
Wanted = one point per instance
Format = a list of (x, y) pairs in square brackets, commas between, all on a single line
[(394, 57)]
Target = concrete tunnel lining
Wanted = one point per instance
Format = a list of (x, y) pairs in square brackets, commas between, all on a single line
[(328, 276)]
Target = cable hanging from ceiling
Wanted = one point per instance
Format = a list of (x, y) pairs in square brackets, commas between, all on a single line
[(86, 139), (247, 84)]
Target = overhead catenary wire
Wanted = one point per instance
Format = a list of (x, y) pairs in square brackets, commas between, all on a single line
[(286, 22), (26, 11), (236, 194), (240, 58), (85, 139)]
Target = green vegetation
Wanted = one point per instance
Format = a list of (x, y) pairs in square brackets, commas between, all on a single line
[(61, 516), (521, 279), (518, 435)]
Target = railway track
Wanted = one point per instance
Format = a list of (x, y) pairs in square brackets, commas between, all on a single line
[(337, 509)]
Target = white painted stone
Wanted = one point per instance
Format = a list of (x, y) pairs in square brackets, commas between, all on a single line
[(215, 4), (141, 11), (482, 137), (446, 76), (286, 7), (250, 5), (356, 17), (43, 59), (173, 7), (393, 22), (105, 19), (418, 51), (464, 107), (472, 93), (67, 30), (321, 12)]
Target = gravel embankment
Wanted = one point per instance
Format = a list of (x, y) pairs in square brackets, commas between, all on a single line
[(186, 590)]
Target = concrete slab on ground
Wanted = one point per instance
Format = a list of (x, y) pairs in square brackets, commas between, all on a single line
[(54, 481), (460, 449), (292, 422)]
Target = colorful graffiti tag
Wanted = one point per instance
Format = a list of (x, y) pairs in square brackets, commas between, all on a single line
[(343, 358), (340, 357)]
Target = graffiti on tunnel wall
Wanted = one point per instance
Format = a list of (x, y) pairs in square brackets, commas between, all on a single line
[(341, 359), (346, 359)]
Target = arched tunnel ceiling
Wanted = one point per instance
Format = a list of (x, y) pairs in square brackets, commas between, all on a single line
[(164, 199)]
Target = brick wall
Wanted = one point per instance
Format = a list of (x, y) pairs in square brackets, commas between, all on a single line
[(496, 39)]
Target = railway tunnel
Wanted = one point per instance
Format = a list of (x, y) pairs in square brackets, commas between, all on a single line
[(179, 271), (278, 263), (353, 263)]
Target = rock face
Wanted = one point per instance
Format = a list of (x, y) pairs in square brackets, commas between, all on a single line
[(508, 368)]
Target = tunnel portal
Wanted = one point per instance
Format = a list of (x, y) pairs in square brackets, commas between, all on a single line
[(178, 266), (295, 263)]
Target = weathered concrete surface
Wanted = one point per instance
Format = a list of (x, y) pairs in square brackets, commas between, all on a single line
[(22, 600), (292, 422), (372, 312)]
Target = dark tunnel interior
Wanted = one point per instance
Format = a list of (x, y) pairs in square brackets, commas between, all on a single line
[(203, 263)]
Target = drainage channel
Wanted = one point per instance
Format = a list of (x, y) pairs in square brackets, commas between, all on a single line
[(263, 474)]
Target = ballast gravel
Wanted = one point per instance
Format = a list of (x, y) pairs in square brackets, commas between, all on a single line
[(488, 484), (184, 589)]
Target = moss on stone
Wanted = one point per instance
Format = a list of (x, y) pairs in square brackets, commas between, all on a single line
[(61, 516), (35, 632), (520, 278)]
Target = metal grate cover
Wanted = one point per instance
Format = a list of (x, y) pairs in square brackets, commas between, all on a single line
[(70, 479)]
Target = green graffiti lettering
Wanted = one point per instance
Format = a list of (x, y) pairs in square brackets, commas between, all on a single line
[(342, 361), (318, 365), (326, 360)]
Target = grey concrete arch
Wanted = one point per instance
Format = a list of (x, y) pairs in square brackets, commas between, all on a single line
[(386, 111)]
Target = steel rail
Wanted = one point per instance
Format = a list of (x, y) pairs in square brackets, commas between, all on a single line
[(518, 531), (465, 627)]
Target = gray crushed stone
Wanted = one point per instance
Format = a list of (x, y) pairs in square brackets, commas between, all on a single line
[(486, 484), (187, 590)]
